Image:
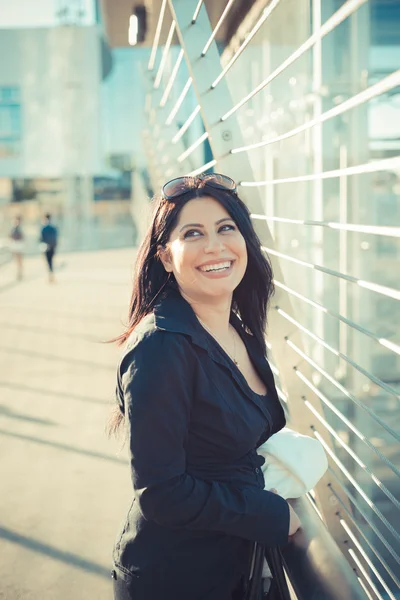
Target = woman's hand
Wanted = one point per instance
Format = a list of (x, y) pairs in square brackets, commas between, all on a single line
[(294, 522)]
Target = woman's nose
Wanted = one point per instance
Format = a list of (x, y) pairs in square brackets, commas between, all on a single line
[(213, 243)]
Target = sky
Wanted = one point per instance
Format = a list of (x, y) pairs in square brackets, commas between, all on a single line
[(37, 13)]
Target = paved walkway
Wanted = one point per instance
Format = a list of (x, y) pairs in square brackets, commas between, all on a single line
[(65, 488)]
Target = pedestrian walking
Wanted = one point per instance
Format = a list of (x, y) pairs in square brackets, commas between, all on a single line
[(197, 395), (49, 237), (17, 246)]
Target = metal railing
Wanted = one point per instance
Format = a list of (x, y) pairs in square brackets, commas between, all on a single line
[(316, 568), (194, 124)]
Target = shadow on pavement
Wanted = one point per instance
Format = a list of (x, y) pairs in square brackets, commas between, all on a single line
[(90, 281), (59, 446), (12, 284), (50, 313), (42, 274), (7, 412), (41, 329), (73, 361), (66, 557), (71, 396)]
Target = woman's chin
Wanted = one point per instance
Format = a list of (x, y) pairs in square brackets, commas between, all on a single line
[(212, 289), (217, 289)]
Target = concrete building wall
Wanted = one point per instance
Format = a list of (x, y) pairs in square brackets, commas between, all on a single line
[(57, 73)]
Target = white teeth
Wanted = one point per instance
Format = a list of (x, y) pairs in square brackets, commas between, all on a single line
[(216, 267)]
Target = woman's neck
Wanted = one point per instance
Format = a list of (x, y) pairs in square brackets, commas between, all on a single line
[(215, 314)]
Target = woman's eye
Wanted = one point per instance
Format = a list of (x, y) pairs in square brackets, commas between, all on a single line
[(191, 233), (227, 228)]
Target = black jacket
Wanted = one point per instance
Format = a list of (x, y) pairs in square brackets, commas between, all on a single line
[(194, 426)]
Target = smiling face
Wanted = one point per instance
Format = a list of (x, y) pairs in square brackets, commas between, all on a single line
[(206, 251)]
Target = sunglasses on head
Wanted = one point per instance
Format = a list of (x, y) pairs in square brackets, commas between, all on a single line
[(181, 185)]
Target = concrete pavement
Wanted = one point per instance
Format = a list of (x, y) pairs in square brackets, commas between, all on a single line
[(65, 487)]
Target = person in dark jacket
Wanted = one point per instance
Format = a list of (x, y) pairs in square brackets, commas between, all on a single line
[(49, 237), (198, 398)]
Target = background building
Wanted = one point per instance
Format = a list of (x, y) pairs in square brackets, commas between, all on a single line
[(52, 125)]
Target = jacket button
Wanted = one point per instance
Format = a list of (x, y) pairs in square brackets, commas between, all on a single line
[(258, 470), (113, 574)]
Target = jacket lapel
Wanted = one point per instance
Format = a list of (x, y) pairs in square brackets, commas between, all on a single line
[(173, 313)]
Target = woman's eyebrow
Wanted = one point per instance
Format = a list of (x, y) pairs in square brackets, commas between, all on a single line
[(191, 225), (202, 226)]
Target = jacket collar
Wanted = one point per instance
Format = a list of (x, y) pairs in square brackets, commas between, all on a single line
[(173, 313)]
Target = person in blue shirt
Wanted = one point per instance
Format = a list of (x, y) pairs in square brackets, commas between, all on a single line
[(49, 238), (198, 398)]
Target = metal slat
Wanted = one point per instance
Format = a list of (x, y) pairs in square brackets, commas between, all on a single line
[(266, 13), (359, 489), (201, 169), (339, 354), (364, 587), (196, 12), (369, 285), (164, 57), (171, 81), (368, 229), (179, 102), (186, 125), (383, 341), (340, 15), (352, 499), (153, 54), (350, 425), (366, 558), (193, 147), (343, 390), (366, 540), (354, 456), (365, 574), (384, 164), (373, 91), (217, 27)]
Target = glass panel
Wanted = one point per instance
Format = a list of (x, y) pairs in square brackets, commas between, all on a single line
[(361, 51)]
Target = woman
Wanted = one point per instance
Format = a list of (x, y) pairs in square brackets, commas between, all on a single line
[(198, 397), (17, 246)]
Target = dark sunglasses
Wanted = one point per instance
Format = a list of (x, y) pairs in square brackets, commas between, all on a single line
[(181, 185)]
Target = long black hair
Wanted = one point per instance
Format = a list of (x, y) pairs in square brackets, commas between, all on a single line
[(151, 281)]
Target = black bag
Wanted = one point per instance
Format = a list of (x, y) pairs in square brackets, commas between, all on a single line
[(279, 589)]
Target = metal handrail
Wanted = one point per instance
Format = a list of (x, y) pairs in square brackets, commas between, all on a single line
[(315, 566)]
